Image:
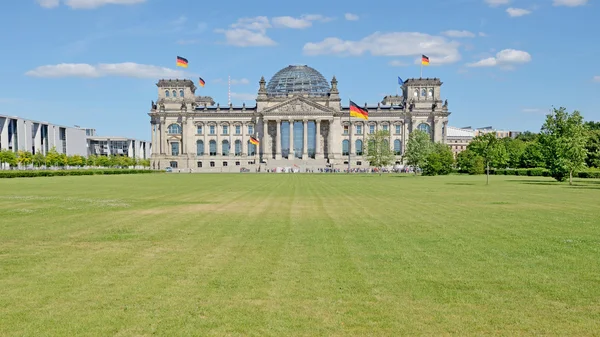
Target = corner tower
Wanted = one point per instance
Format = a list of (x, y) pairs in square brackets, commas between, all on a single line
[(424, 106)]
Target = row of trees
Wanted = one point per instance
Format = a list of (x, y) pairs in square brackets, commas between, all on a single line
[(55, 159), (564, 145)]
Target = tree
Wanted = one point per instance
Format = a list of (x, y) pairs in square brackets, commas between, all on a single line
[(593, 148), (514, 151), (24, 158), (379, 153), (52, 157), (469, 162), (527, 136), (76, 160), (7, 157), (491, 150), (563, 138), (38, 159), (532, 156), (439, 161), (418, 148)]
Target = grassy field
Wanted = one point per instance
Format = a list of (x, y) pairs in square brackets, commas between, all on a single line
[(287, 255)]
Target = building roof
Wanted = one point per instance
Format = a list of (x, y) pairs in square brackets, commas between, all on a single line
[(458, 132), (298, 79)]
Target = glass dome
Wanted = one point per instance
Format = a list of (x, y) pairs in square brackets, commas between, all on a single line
[(298, 80)]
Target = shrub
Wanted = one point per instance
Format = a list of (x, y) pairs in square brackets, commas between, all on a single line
[(50, 173)]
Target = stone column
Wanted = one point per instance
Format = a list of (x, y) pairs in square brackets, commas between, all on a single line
[(318, 154), (244, 141), (305, 139), (330, 147), (152, 126), (263, 141), (204, 132), (278, 141), (444, 140), (291, 154), (163, 137), (219, 145)]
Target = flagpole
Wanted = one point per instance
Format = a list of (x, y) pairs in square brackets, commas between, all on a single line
[(350, 131), (421, 76)]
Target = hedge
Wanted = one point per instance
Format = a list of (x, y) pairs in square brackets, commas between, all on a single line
[(542, 172), (50, 173)]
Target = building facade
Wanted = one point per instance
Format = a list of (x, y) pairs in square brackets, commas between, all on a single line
[(120, 146), (458, 139), (20, 134), (298, 118)]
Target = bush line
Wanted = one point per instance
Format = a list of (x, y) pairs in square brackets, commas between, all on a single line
[(542, 172), (51, 173)]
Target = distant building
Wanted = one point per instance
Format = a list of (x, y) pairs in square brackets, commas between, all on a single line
[(20, 134), (499, 133), (458, 139)]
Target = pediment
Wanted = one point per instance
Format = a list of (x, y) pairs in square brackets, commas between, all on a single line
[(299, 105)]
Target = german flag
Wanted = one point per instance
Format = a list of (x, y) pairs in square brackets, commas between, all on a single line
[(182, 62), (424, 60), (201, 81), (356, 111), (253, 140)]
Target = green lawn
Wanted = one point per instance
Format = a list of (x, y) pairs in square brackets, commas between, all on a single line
[(297, 254)]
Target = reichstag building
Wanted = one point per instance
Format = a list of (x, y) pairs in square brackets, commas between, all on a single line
[(298, 120)]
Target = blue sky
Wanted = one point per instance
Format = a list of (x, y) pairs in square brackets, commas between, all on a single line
[(95, 63)]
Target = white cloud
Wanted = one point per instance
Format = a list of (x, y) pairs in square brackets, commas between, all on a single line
[(248, 32), (351, 17), (412, 44), (482, 34), (240, 81), (304, 21), (48, 3), (596, 79), (87, 4), (570, 3), (496, 3), (127, 69), (516, 12), (458, 33), (243, 97), (505, 58), (398, 63)]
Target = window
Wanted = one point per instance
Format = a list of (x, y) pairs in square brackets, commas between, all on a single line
[(167, 94), (359, 129), (251, 149), (238, 147), (211, 129), (225, 129), (398, 129), (423, 92), (199, 129), (358, 163), (173, 164), (345, 145), (250, 129), (430, 93), (174, 129), (425, 128), (237, 163), (385, 127), (174, 93), (345, 129), (181, 93), (224, 163), (199, 147), (212, 164), (225, 147), (372, 128), (397, 147), (212, 148), (199, 164), (175, 148), (238, 129), (416, 93), (358, 147)]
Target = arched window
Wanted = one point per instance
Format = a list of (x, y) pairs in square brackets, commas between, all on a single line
[(174, 129), (181, 93), (430, 93), (238, 147), (200, 147), (425, 128), (225, 148), (416, 93), (397, 147), (174, 93), (167, 94), (358, 147), (345, 146), (251, 149), (212, 148), (423, 92)]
